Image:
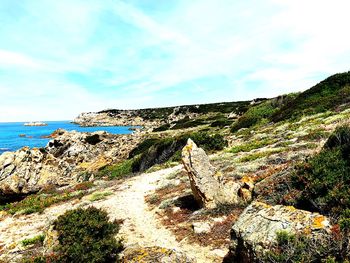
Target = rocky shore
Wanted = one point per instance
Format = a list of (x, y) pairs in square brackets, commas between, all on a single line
[(66, 159)]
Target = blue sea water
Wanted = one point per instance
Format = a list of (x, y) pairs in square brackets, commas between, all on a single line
[(11, 141)]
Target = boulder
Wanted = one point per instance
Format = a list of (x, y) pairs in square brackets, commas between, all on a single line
[(206, 182), (155, 255), (255, 231)]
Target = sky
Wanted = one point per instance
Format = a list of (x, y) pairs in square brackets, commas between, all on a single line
[(61, 58)]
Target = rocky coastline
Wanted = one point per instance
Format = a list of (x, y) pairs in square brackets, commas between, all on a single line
[(67, 157)]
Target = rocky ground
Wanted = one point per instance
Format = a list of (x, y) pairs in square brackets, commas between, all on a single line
[(173, 211)]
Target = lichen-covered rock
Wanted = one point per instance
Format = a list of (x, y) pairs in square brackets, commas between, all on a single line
[(65, 158), (155, 255), (255, 230), (206, 182)]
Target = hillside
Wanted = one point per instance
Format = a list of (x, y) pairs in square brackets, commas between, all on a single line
[(261, 181), (332, 93)]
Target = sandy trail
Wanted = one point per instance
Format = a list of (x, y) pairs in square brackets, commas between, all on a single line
[(140, 227)]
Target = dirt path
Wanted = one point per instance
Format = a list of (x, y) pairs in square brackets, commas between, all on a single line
[(140, 227)]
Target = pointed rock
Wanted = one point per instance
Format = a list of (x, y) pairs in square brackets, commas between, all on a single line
[(206, 183)]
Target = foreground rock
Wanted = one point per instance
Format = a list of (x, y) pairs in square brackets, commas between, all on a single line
[(68, 158), (254, 233), (206, 182), (155, 255)]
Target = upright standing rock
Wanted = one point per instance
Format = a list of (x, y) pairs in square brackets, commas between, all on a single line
[(204, 178)]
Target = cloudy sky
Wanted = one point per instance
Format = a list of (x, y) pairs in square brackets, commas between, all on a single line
[(60, 58)]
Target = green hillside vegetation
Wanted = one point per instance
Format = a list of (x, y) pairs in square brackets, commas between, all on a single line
[(163, 113), (324, 179), (329, 94)]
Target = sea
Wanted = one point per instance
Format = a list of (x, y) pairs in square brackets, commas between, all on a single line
[(14, 135)]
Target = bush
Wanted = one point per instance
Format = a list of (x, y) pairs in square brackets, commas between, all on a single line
[(86, 235), (119, 170), (161, 128), (340, 138), (300, 248), (209, 143), (324, 179), (158, 151), (221, 123), (143, 146), (33, 241), (255, 115)]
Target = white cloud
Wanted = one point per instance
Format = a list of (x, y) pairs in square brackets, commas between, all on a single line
[(125, 56)]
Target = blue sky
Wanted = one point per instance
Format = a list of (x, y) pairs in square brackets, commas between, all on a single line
[(60, 58)]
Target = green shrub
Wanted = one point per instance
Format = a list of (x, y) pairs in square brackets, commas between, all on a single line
[(187, 123), (299, 248), (344, 221), (339, 138), (161, 128), (86, 235), (159, 151), (38, 202), (99, 196), (39, 239), (208, 142), (221, 123), (324, 179), (143, 146), (252, 145), (255, 115), (119, 170)]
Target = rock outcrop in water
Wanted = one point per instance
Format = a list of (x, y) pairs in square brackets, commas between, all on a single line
[(64, 160), (206, 184)]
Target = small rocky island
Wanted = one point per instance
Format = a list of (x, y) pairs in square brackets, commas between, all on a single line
[(35, 123)]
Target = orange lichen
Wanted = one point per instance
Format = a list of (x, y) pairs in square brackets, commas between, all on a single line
[(318, 221), (247, 179)]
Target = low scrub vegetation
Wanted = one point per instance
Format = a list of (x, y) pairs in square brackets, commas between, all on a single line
[(255, 115), (329, 94), (38, 202), (84, 235), (252, 145), (37, 240), (118, 170), (160, 150), (324, 179), (302, 248)]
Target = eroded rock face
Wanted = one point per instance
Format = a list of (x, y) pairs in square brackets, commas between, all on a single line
[(206, 184), (255, 230), (155, 255), (62, 161)]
